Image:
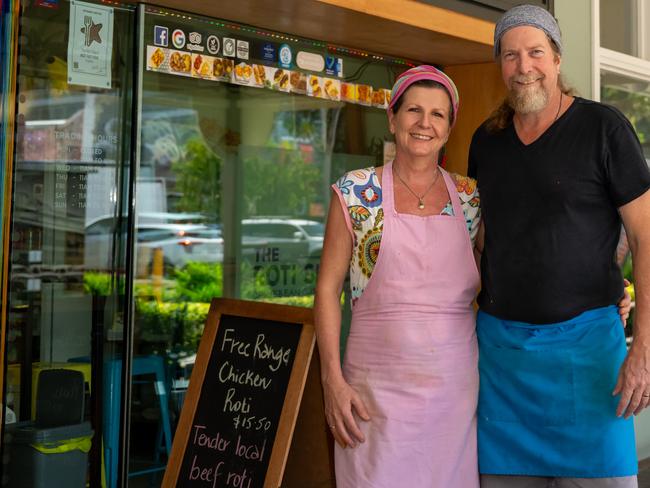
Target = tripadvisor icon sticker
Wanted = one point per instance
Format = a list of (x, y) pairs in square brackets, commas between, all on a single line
[(213, 45)]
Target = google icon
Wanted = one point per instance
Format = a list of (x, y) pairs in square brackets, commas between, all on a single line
[(178, 39)]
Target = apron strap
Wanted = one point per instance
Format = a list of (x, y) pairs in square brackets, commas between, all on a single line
[(387, 189), (453, 195)]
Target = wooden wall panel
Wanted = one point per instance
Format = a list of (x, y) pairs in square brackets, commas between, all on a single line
[(481, 89), (310, 463)]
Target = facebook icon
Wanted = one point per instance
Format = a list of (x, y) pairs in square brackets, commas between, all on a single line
[(160, 36)]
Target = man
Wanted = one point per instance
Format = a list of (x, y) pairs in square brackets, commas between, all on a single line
[(557, 174)]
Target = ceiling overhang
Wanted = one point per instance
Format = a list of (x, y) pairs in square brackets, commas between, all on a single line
[(401, 28)]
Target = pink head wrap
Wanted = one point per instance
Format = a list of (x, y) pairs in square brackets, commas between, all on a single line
[(425, 72)]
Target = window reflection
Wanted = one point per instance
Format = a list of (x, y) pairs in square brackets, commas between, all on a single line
[(240, 178), (632, 97), (619, 26)]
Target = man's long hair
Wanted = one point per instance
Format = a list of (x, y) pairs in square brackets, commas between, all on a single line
[(502, 116)]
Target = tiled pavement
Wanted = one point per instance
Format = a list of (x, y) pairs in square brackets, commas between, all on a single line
[(644, 474)]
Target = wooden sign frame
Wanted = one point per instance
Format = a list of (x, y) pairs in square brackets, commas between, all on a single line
[(253, 310)]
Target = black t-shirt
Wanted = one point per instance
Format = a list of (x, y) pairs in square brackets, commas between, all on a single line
[(550, 213)]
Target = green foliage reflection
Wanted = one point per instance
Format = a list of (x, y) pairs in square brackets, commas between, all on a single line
[(282, 186), (197, 179), (635, 106)]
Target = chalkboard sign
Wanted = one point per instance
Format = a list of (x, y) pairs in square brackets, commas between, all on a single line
[(242, 403)]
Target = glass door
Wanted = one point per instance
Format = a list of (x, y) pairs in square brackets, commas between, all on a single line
[(66, 305)]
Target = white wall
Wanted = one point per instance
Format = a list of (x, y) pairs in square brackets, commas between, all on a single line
[(575, 19)]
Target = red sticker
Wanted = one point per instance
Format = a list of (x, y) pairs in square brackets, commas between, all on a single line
[(47, 3)]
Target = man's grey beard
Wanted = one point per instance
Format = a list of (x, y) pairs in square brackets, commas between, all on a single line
[(528, 100)]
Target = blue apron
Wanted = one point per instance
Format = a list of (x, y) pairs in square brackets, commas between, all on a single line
[(545, 403)]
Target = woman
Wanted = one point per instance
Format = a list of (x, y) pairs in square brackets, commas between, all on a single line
[(405, 399)]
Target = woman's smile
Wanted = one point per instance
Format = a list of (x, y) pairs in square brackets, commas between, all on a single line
[(421, 137)]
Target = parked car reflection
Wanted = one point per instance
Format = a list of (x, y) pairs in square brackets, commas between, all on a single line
[(179, 238), (183, 237), (279, 239), (285, 253)]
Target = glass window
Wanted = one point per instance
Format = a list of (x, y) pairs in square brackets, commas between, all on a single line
[(314, 229), (66, 304), (632, 97), (248, 148), (618, 26)]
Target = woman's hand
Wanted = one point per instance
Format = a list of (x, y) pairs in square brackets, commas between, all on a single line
[(341, 401), (625, 304), (341, 404)]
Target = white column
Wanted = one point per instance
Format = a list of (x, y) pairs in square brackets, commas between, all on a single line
[(580, 38)]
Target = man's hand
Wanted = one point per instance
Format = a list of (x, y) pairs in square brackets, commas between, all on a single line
[(634, 381), (625, 304), (634, 377)]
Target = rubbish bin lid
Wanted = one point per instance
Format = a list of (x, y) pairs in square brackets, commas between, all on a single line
[(27, 433)]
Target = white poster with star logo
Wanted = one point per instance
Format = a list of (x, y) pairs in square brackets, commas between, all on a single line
[(90, 44)]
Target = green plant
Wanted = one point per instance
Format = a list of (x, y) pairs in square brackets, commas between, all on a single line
[(254, 284), (627, 269), (201, 282), (198, 282), (305, 301), (103, 284), (197, 179), (180, 325), (279, 186), (628, 273), (177, 323), (634, 105)]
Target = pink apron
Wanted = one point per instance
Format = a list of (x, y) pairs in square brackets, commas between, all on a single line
[(412, 356)]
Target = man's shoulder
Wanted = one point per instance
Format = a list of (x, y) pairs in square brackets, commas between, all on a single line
[(599, 112), (483, 134), (482, 130)]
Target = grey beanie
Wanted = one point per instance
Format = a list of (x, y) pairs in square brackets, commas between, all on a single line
[(527, 15)]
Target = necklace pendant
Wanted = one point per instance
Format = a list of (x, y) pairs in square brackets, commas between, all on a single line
[(421, 204)]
